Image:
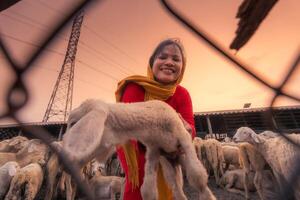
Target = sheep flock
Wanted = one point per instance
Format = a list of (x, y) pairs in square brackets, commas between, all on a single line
[(248, 163)]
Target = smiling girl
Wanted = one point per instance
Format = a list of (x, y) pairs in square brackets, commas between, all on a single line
[(164, 73)]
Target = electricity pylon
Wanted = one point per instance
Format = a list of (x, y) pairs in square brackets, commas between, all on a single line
[(60, 103)]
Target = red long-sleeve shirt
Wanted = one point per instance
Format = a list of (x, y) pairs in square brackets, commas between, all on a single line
[(180, 101)]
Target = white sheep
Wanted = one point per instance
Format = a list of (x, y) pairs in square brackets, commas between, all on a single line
[(29, 177), (215, 157), (201, 153), (252, 160), (231, 156), (106, 186), (7, 172), (95, 126), (34, 151), (281, 155), (233, 181)]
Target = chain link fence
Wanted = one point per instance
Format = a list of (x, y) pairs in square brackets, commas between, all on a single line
[(18, 92)]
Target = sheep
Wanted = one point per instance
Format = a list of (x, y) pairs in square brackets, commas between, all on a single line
[(34, 151), (227, 140), (13, 145), (106, 186), (53, 172), (251, 158), (7, 172), (201, 153), (215, 157), (233, 181), (67, 186), (29, 178), (94, 127), (231, 156), (268, 134), (281, 155)]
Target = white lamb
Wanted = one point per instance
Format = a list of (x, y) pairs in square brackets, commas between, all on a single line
[(281, 155), (95, 126), (7, 172)]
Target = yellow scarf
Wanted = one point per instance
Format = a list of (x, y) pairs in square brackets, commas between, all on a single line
[(153, 90)]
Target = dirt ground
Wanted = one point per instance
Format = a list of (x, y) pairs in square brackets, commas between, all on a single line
[(220, 193)]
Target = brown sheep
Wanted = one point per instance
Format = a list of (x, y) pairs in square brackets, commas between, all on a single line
[(13, 145), (215, 157), (30, 178), (34, 151)]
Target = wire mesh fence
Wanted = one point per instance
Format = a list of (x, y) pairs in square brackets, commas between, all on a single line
[(18, 92)]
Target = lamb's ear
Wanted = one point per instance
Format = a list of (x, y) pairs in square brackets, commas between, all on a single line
[(82, 139)]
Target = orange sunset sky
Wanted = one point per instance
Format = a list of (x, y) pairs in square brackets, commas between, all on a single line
[(118, 36)]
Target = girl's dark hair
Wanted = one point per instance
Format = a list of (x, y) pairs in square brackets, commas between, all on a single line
[(162, 45)]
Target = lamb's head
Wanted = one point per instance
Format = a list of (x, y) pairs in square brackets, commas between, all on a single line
[(246, 134), (83, 137)]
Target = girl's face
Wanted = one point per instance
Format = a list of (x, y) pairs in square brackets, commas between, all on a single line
[(168, 64)]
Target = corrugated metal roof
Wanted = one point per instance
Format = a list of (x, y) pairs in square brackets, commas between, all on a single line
[(245, 110)]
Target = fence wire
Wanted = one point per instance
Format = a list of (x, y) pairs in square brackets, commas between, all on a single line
[(19, 88), (278, 91)]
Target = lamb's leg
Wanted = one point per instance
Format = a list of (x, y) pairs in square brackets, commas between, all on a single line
[(196, 173), (230, 186), (173, 177), (246, 183), (70, 188), (236, 191), (16, 184), (52, 171), (216, 174), (122, 189), (258, 184), (149, 187), (31, 190), (226, 167)]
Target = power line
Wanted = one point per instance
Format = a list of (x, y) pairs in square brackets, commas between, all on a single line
[(110, 43), (61, 54), (79, 79), (82, 44), (113, 62), (32, 44), (60, 37), (95, 33)]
